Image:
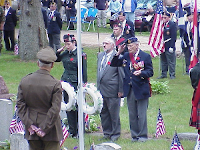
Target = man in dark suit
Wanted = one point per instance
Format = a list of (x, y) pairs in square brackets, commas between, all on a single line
[(168, 58), (53, 27), (138, 69), (38, 104), (187, 41), (127, 25), (9, 27), (110, 84)]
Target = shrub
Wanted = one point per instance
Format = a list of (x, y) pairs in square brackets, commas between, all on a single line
[(159, 87)]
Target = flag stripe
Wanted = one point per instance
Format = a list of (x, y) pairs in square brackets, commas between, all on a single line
[(160, 127), (156, 36)]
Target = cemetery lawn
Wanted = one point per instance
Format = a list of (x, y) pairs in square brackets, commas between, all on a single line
[(175, 106)]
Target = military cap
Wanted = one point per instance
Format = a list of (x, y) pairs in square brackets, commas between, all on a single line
[(47, 55), (121, 13), (69, 38), (166, 13), (117, 24), (131, 40)]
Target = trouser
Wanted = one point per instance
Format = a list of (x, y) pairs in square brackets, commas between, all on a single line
[(43, 145), (187, 54), (9, 39), (130, 16), (72, 117), (101, 16), (110, 119), (54, 41), (137, 115), (168, 60)]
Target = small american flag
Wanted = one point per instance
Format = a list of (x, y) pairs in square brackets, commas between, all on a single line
[(65, 133), (87, 122), (16, 125), (160, 127), (176, 144), (156, 36)]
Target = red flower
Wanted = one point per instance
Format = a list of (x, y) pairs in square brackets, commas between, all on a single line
[(138, 58), (167, 26), (126, 24), (109, 62), (71, 59)]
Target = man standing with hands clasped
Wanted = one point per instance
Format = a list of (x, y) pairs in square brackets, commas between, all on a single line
[(138, 69), (38, 103), (110, 84)]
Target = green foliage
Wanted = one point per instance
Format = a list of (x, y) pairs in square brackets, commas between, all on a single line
[(159, 87), (6, 145), (93, 119)]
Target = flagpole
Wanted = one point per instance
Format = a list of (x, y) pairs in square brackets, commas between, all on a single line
[(80, 81)]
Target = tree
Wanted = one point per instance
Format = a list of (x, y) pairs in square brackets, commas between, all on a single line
[(32, 33)]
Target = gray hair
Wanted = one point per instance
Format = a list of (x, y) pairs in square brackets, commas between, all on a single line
[(41, 64), (110, 40)]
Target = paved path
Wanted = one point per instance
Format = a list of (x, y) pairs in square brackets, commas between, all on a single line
[(90, 39)]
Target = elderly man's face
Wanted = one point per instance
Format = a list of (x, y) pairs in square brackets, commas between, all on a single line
[(133, 47), (107, 46), (52, 7), (117, 31)]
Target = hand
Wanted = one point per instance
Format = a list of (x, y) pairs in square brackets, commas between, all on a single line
[(137, 72), (32, 129), (121, 49), (61, 49), (120, 94), (171, 50), (40, 133)]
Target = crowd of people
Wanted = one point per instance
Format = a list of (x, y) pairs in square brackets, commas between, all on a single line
[(123, 70)]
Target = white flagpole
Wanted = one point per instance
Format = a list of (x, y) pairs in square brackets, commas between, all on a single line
[(80, 80)]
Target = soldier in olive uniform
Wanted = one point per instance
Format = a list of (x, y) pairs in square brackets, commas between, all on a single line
[(70, 75), (2, 20), (38, 103)]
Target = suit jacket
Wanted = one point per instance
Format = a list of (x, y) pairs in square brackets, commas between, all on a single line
[(140, 84), (11, 20), (187, 39), (54, 23), (38, 101), (110, 82), (129, 30), (170, 32)]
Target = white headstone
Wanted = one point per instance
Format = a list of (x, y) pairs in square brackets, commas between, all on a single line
[(6, 115), (17, 142)]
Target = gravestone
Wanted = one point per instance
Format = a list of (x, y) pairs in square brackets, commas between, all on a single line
[(107, 146), (6, 116), (4, 93), (17, 142)]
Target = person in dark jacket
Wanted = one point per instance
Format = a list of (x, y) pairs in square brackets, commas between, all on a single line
[(168, 58), (138, 69), (70, 12), (9, 27), (70, 62), (53, 27)]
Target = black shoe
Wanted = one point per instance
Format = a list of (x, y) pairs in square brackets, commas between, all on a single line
[(142, 139), (134, 140), (162, 77), (113, 139)]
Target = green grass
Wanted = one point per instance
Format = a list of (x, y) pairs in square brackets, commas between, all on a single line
[(175, 106)]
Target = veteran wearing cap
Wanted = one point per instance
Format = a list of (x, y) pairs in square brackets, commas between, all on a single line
[(68, 55), (138, 69), (38, 104), (168, 58), (128, 29)]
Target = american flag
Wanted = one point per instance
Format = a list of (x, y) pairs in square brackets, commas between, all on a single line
[(194, 59), (176, 144), (65, 133), (156, 36), (87, 122), (160, 127), (16, 125)]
